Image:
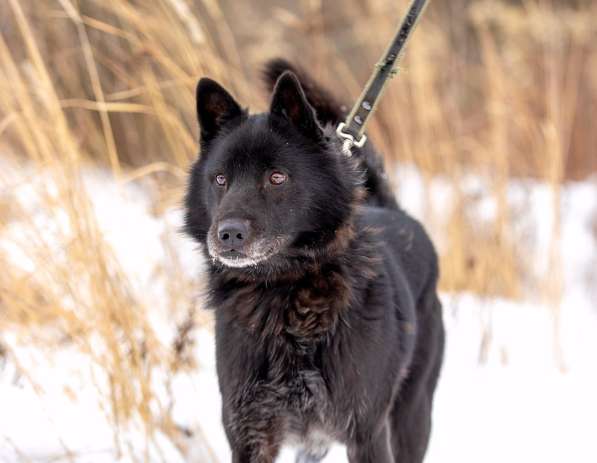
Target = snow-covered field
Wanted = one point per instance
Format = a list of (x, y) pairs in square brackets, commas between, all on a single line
[(520, 404)]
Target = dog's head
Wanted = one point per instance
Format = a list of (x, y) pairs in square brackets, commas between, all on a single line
[(267, 186)]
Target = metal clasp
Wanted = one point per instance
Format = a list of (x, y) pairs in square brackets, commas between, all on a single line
[(349, 140)]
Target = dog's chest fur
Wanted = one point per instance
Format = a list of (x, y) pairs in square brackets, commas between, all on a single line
[(285, 329), (299, 311)]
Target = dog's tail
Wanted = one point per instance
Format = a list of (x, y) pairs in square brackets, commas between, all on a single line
[(328, 109)]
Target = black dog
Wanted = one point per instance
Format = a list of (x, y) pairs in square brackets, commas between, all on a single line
[(328, 326)]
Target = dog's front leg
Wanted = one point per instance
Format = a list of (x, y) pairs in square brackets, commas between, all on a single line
[(371, 448), (261, 452), (251, 456), (253, 437)]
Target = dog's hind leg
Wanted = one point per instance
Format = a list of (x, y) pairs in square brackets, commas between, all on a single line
[(411, 415)]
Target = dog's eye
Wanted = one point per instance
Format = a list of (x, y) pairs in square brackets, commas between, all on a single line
[(277, 178), (221, 180)]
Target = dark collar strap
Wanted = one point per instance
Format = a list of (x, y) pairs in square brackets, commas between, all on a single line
[(352, 130)]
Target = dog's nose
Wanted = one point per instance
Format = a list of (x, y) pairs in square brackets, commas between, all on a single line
[(233, 233)]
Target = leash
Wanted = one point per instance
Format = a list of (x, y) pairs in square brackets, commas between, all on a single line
[(352, 130)]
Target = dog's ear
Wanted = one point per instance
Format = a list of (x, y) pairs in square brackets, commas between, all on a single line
[(215, 108), (289, 103)]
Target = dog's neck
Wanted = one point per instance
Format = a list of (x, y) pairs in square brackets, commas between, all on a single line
[(307, 300)]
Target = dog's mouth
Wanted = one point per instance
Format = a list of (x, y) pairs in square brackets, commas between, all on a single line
[(231, 255), (255, 253)]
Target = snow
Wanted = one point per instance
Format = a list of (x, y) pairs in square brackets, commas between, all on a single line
[(512, 401), (517, 406)]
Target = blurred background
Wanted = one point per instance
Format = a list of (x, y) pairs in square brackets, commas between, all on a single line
[(489, 137)]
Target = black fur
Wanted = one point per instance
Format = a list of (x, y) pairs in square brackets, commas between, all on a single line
[(328, 326), (329, 113)]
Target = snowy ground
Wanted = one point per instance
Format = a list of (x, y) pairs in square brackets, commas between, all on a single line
[(518, 405)]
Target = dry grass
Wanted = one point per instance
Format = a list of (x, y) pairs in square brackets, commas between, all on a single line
[(496, 89)]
